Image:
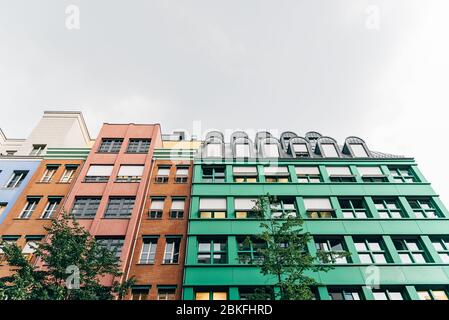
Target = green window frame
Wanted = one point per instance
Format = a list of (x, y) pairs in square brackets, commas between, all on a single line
[(308, 174), (371, 251), (285, 208), (213, 173), (212, 250), (248, 250), (212, 294), (354, 208), (441, 246), (389, 208), (336, 245), (424, 208), (411, 250), (403, 174)]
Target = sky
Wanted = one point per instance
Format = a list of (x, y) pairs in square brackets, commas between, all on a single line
[(374, 69)]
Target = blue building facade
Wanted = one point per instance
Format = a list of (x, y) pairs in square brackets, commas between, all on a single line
[(15, 174)]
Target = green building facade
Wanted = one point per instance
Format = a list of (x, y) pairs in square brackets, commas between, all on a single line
[(377, 206)]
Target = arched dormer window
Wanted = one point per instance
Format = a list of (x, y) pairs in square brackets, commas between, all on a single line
[(327, 148), (269, 148), (286, 137), (356, 148), (242, 148), (237, 135), (260, 136), (312, 136), (215, 135), (299, 148)]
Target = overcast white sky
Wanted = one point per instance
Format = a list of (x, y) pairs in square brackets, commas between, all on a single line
[(286, 65)]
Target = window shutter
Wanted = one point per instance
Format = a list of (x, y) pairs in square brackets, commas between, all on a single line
[(244, 171), (244, 203), (163, 172), (178, 204), (182, 172), (157, 204), (276, 171), (213, 204), (338, 171), (130, 170), (317, 203), (307, 170), (96, 170)]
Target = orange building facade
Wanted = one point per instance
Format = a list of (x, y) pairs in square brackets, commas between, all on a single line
[(39, 202), (159, 249)]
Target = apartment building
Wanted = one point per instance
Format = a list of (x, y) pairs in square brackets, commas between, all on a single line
[(376, 206)]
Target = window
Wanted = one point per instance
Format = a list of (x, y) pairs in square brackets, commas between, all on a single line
[(98, 173), (177, 209), (214, 150), (182, 174), (410, 251), (2, 207), (112, 244), (51, 207), (244, 208), (388, 294), (130, 173), (119, 207), (402, 174), (37, 149), (140, 293), (441, 245), (85, 207), (345, 294), (242, 150), (284, 208), (335, 247), (49, 173), (424, 208), (249, 250), (16, 179), (251, 293), (148, 254), (270, 150), (156, 208), (353, 208), (211, 295), (29, 208), (308, 174), (372, 174), (371, 250), (110, 145), (389, 208), (68, 174), (358, 150), (245, 174), (166, 293), (138, 145), (340, 174), (318, 208), (212, 208), (329, 150), (32, 243), (276, 174), (171, 254), (432, 294), (213, 174), (212, 250), (8, 240), (162, 174), (300, 150)]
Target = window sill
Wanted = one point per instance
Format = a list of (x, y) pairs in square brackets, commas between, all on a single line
[(143, 152), (169, 264), (116, 218), (105, 152), (145, 264)]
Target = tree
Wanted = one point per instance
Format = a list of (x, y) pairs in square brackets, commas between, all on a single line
[(73, 265), (284, 253)]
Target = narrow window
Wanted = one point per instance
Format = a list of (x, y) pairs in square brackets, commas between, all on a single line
[(156, 208), (51, 208), (16, 179), (162, 174), (171, 254), (29, 208), (177, 209), (148, 254)]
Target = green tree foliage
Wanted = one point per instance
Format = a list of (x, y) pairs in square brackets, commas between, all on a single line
[(70, 257), (284, 254)]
